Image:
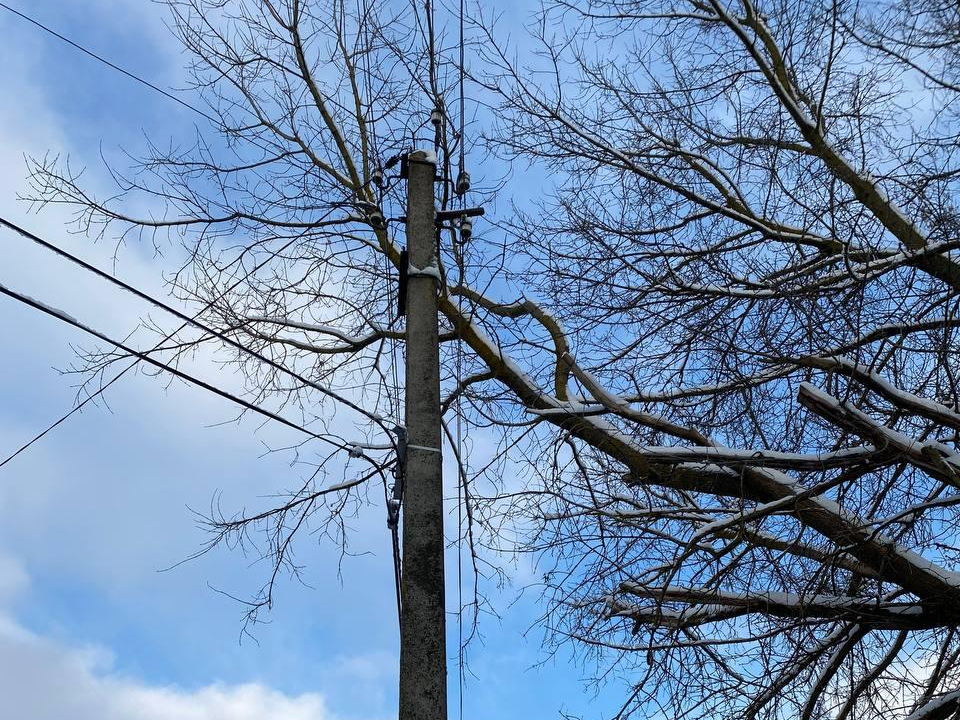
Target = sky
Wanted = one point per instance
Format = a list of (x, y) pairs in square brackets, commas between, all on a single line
[(92, 626)]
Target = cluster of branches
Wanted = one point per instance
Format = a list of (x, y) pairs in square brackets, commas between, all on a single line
[(726, 398)]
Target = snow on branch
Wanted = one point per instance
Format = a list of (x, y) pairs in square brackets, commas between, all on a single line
[(903, 400), (934, 458), (708, 606)]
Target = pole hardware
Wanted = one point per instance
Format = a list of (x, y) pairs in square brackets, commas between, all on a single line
[(372, 212), (459, 219), (376, 219), (445, 215), (436, 119), (399, 472), (466, 229), (463, 183)]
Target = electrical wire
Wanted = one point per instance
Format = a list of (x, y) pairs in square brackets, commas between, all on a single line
[(461, 489), (103, 388), (176, 372), (363, 33), (432, 50), (462, 164), (397, 575), (461, 485), (106, 62), (363, 12), (146, 83), (193, 320), (461, 499), (190, 320)]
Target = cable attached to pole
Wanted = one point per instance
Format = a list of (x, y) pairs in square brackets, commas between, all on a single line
[(105, 386), (191, 321)]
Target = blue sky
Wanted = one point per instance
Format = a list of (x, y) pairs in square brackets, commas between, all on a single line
[(89, 627)]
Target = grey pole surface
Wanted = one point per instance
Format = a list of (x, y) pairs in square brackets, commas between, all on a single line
[(423, 652)]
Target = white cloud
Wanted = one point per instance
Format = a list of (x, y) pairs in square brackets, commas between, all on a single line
[(43, 680)]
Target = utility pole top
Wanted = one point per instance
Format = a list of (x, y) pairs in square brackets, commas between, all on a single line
[(424, 156)]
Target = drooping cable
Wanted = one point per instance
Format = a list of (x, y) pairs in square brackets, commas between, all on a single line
[(109, 64), (103, 387), (192, 321), (176, 372)]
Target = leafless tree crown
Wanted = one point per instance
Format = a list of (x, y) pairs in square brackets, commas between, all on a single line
[(716, 352)]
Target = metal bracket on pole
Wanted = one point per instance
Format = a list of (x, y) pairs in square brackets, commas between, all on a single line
[(461, 220), (446, 215)]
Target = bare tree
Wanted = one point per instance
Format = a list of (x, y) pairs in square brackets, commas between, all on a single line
[(720, 355)]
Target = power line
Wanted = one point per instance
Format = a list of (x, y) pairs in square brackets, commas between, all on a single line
[(461, 499), (431, 41), (461, 169), (189, 320), (217, 122), (170, 96), (109, 64), (461, 188), (363, 32), (186, 321), (103, 388), (176, 372)]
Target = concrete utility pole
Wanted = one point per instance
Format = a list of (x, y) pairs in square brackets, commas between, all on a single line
[(423, 651)]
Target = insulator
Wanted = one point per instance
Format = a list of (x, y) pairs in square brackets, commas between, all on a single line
[(376, 219), (466, 229), (377, 177), (463, 183), (436, 116)]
